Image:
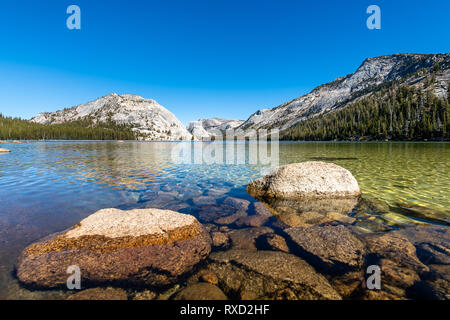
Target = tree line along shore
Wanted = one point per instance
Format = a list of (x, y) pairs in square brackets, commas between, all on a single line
[(395, 112), (400, 113), (19, 129)]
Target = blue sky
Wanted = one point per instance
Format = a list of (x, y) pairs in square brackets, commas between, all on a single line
[(199, 58)]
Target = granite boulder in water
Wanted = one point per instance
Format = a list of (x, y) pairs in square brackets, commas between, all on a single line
[(137, 247), (306, 180)]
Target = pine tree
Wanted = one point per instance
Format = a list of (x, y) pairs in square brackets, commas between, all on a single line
[(398, 113), (15, 128)]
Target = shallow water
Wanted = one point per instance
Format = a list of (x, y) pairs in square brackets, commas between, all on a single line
[(49, 186)]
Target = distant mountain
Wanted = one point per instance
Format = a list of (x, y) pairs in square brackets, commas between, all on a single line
[(145, 117), (369, 78), (361, 105), (205, 128), (399, 111)]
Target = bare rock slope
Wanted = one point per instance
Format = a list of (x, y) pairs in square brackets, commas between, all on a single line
[(206, 128), (148, 119), (367, 78)]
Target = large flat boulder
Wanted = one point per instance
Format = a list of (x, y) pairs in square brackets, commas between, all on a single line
[(136, 247), (432, 243), (306, 180), (249, 274), (334, 249), (395, 247)]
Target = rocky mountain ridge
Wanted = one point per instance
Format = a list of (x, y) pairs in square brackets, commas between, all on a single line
[(148, 119), (151, 121), (372, 73), (205, 128)]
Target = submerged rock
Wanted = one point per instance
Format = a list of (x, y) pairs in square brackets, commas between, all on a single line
[(383, 295), (309, 218), (145, 295), (432, 290), (231, 218), (306, 180), (169, 293), (248, 274), (425, 213), (426, 234), (209, 277), (295, 220), (137, 247), (209, 213), (348, 284), (219, 240), (251, 221), (317, 207), (434, 253), (217, 192), (336, 216), (201, 291), (272, 241), (432, 243), (395, 247), (335, 249), (247, 238), (396, 275), (261, 210), (440, 271), (204, 200), (401, 268), (100, 294), (239, 204), (372, 205), (161, 200)]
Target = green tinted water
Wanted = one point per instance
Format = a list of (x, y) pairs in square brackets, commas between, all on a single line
[(405, 173)]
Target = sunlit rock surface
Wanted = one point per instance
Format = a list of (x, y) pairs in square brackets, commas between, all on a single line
[(137, 247), (306, 180), (207, 128)]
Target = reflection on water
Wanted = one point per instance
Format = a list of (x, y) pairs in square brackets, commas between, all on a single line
[(49, 186)]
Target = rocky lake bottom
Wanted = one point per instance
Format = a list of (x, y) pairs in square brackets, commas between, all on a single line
[(318, 249)]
